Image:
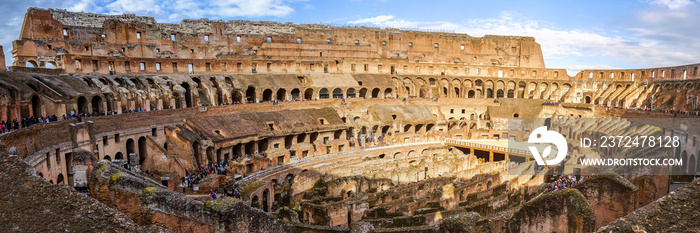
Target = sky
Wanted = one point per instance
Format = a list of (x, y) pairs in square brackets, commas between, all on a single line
[(574, 35)]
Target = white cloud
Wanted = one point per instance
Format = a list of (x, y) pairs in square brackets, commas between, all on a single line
[(121, 6), (672, 4), (648, 44), (392, 22)]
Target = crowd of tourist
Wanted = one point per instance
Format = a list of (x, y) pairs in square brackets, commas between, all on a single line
[(564, 182), (203, 171), (33, 120)]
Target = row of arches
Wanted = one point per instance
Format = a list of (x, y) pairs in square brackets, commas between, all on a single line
[(282, 94), (479, 88)]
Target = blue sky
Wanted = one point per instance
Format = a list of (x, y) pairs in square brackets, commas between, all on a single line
[(574, 35)]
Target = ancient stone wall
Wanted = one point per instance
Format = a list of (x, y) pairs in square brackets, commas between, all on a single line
[(106, 44), (2, 60)]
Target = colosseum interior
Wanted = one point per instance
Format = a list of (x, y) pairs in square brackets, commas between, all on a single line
[(320, 129)]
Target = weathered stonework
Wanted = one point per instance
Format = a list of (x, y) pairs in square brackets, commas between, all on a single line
[(319, 136)]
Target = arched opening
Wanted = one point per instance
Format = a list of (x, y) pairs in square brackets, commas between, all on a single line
[(31, 64), (59, 179), (588, 99), (692, 170), (142, 150), (323, 94), (265, 197), (129, 149), (337, 93), (36, 105), (107, 158), (489, 93), (387, 93), (309, 94), (499, 93), (363, 93), (684, 157), (267, 95), (188, 94), (82, 105), (375, 93), (429, 127), (119, 156), (295, 94), (96, 104), (281, 94), (385, 130), (350, 93), (250, 94), (511, 93), (470, 94)]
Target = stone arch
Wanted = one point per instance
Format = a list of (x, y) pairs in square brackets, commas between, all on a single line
[(363, 92), (471, 94), (188, 95), (409, 86), (119, 156), (692, 165), (82, 105), (106, 157), (265, 200), (267, 95), (36, 106), (387, 93), (385, 129), (282, 94), (130, 148), (309, 94), (429, 127), (457, 88), (143, 150), (407, 127), (337, 93), (97, 104), (295, 94), (60, 179), (323, 93), (250, 94), (31, 64), (375, 93), (350, 93), (217, 91)]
